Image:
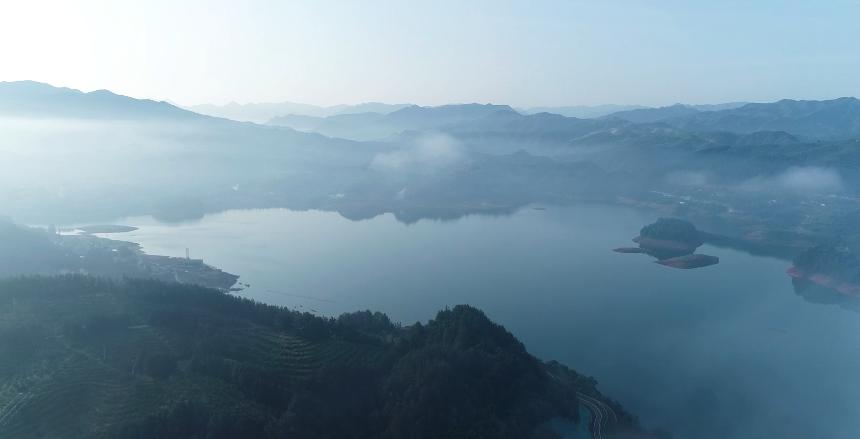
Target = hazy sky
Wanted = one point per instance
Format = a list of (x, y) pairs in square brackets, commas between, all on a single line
[(429, 52)]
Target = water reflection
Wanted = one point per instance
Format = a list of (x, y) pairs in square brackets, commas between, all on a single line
[(827, 275)]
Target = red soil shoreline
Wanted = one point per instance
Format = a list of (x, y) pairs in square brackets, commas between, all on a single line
[(846, 288)]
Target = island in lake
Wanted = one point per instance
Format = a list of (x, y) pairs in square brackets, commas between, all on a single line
[(673, 242)]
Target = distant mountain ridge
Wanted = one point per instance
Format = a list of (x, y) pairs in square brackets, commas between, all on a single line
[(835, 119), (582, 111), (487, 158), (39, 100), (376, 126), (447, 114), (830, 119), (627, 112), (650, 115), (265, 111)]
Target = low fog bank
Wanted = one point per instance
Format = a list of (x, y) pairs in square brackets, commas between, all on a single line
[(59, 171), (462, 160), (799, 180), (428, 153), (78, 170)]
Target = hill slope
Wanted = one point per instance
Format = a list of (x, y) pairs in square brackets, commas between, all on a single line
[(34, 99), (832, 119), (67, 153), (86, 358), (265, 111), (650, 115), (374, 126), (582, 111)]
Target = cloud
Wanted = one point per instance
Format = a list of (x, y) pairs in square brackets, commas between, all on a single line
[(804, 179), (429, 152)]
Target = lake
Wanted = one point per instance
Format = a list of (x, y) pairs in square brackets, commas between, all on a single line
[(727, 351)]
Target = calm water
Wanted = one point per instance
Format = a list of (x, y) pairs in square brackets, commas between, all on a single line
[(720, 352)]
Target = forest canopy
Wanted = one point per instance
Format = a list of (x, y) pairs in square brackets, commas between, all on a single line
[(143, 359)]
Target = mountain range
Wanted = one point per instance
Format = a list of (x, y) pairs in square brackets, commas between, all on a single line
[(377, 126), (836, 119), (29, 99), (416, 162), (831, 120), (581, 111), (622, 111), (263, 112), (819, 120)]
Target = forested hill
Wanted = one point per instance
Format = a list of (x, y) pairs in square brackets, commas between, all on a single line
[(88, 358)]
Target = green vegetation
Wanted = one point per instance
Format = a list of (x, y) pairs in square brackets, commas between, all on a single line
[(89, 358), (672, 229)]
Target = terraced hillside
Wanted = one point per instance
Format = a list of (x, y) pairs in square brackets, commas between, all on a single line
[(87, 358)]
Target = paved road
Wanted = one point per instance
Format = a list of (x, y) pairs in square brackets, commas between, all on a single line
[(602, 415)]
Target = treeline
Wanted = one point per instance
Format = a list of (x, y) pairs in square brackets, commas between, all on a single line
[(673, 229)]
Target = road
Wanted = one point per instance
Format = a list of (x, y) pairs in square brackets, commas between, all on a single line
[(602, 415)]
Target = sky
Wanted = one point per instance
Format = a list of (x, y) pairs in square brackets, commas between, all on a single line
[(523, 53)]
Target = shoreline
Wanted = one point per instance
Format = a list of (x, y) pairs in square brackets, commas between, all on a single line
[(117, 258)]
